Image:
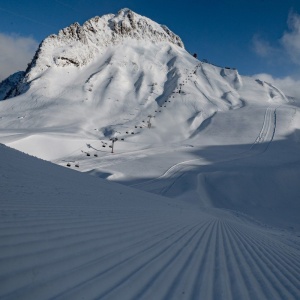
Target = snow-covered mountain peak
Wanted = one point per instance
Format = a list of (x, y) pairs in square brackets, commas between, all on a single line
[(78, 45), (126, 22)]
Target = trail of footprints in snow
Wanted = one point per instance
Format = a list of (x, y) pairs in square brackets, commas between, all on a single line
[(145, 255)]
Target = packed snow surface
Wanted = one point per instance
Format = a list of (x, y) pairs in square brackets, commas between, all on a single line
[(205, 201), (66, 235)]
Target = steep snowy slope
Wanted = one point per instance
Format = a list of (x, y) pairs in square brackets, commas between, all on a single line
[(79, 45), (67, 235), (113, 72), (115, 94)]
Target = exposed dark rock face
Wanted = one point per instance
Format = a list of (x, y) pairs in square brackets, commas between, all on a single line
[(8, 86)]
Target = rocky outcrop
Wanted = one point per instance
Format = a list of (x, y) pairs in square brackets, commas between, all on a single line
[(8, 86), (77, 45)]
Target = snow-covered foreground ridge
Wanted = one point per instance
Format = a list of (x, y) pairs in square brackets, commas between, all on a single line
[(66, 235)]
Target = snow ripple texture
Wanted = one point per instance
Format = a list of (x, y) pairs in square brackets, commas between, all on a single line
[(83, 238)]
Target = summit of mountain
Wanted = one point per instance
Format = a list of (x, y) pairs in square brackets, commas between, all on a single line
[(78, 45)]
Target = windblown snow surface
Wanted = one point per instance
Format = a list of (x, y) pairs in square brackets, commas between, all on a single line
[(204, 204)]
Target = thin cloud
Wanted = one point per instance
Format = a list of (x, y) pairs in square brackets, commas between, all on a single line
[(290, 86), (291, 39), (15, 53), (285, 48), (262, 47)]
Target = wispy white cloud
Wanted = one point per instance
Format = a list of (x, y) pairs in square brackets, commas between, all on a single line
[(291, 38), (262, 47), (285, 48), (290, 86), (15, 53)]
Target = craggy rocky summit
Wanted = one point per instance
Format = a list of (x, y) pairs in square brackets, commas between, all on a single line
[(78, 45)]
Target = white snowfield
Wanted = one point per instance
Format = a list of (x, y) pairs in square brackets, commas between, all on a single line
[(210, 158)]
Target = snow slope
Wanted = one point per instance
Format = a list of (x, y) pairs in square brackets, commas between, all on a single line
[(216, 117), (115, 95), (66, 235), (78, 46)]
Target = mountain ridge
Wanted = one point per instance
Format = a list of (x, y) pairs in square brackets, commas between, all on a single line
[(139, 68), (78, 45)]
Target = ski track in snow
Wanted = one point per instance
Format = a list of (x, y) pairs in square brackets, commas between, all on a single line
[(259, 146)]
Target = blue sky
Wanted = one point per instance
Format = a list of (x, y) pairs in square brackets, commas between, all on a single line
[(258, 36)]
